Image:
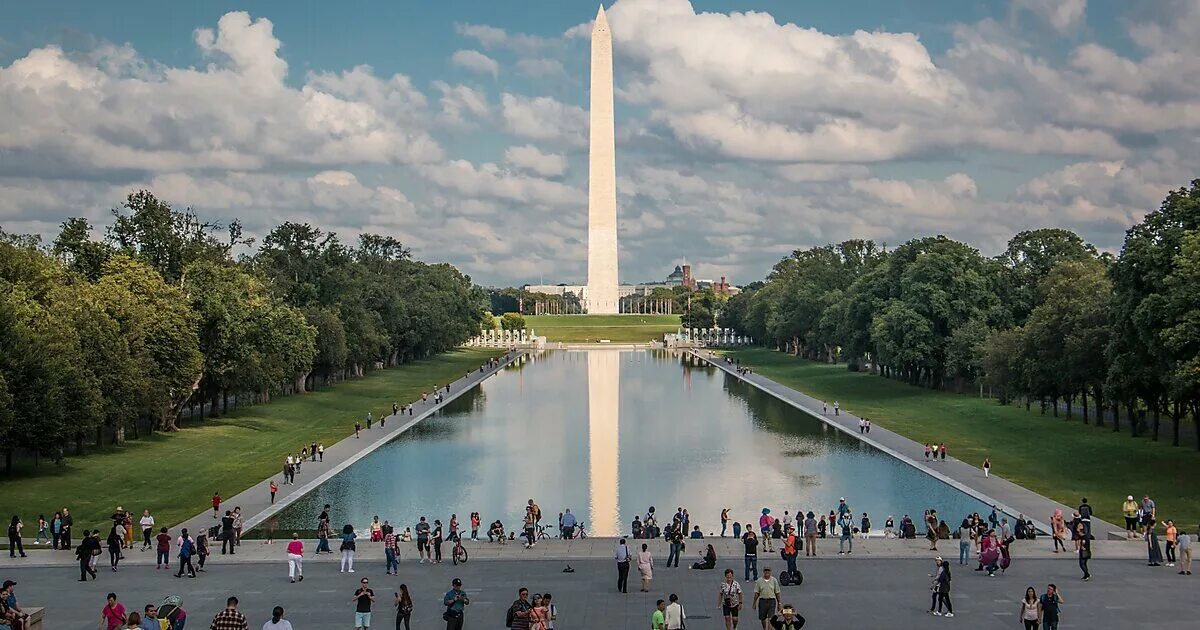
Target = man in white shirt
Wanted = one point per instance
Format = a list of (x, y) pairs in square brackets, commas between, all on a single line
[(621, 555), (674, 614)]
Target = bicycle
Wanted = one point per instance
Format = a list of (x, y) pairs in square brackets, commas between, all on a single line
[(459, 553)]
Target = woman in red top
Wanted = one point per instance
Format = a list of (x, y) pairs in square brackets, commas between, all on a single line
[(474, 525), (295, 553), (112, 616)]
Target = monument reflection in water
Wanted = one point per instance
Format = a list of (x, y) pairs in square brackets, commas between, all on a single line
[(608, 433)]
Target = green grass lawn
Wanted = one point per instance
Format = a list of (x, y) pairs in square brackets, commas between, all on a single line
[(1057, 457), (592, 328), (175, 474)]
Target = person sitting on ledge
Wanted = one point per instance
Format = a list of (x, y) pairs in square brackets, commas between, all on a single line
[(696, 533), (496, 532), (407, 535), (708, 559)]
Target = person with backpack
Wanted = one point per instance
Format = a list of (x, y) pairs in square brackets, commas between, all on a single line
[(517, 616), (455, 602), (187, 549), (1051, 607)]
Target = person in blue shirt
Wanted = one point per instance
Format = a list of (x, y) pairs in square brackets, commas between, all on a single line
[(455, 601), (568, 524), (696, 533)]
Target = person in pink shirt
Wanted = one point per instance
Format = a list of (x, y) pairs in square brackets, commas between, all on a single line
[(764, 525), (295, 554), (112, 616)]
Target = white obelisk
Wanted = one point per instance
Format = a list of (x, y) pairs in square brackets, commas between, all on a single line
[(602, 178)]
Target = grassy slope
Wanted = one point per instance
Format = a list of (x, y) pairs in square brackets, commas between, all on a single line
[(1059, 458), (175, 474), (591, 328)]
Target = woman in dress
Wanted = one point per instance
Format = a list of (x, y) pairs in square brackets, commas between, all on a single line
[(645, 561), (376, 529), (1059, 527), (539, 615)]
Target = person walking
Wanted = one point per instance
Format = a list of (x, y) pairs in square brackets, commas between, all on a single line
[(1030, 612), (941, 588), (347, 548), (730, 599), (674, 616), (621, 555), (1051, 607), (766, 597), (391, 552), (274, 489), (987, 467), (1085, 515), (84, 553), (1185, 553), (324, 531), (216, 504), (363, 598), (112, 616), (277, 622), (1172, 538), (114, 547), (750, 542), (187, 549), (404, 607), (295, 555), (1085, 552), (837, 408), (230, 618), (14, 538), (658, 619), (645, 561)]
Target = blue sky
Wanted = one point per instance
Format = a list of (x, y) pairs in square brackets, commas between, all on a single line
[(745, 129)]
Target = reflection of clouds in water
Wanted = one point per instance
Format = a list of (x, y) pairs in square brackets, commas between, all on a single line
[(608, 433)]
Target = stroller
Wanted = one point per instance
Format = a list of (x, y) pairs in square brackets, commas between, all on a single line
[(171, 612)]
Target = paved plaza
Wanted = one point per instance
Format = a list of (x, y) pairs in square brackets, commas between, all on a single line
[(843, 592)]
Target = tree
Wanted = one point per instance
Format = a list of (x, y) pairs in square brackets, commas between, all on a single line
[(698, 317), (165, 239), (75, 247), (512, 321)]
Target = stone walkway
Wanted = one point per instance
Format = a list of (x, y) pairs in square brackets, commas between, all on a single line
[(993, 490), (256, 500)]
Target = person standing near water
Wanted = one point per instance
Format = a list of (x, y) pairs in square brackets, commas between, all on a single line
[(645, 561), (621, 555), (987, 467)]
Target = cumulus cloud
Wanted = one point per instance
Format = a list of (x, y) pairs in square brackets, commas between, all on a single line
[(544, 118), (111, 111), (1063, 15), (541, 68), (475, 61), (528, 157), (489, 180)]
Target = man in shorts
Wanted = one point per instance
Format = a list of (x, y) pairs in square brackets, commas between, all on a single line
[(362, 611), (766, 596)]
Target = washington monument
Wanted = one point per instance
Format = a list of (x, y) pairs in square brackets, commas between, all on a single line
[(601, 295)]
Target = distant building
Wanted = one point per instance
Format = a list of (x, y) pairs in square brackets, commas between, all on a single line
[(680, 277)]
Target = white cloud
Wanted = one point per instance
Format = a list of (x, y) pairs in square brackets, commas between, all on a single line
[(822, 172), (460, 104), (489, 180), (544, 118), (541, 68), (1063, 15), (475, 61), (112, 111), (921, 197), (529, 158), (493, 37)]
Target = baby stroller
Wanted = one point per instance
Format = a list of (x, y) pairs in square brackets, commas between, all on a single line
[(171, 611)]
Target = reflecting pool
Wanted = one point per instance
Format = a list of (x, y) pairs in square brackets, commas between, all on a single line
[(608, 433)]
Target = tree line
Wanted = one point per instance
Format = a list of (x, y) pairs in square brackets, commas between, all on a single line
[(1050, 320), (99, 335)]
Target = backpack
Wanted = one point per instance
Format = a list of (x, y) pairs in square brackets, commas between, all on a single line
[(186, 549), (508, 618)]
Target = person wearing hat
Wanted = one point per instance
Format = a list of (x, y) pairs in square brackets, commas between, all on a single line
[(766, 596), (1130, 510), (455, 601), (788, 619)]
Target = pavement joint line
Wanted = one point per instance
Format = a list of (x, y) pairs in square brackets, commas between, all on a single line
[(950, 481), (249, 523)]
